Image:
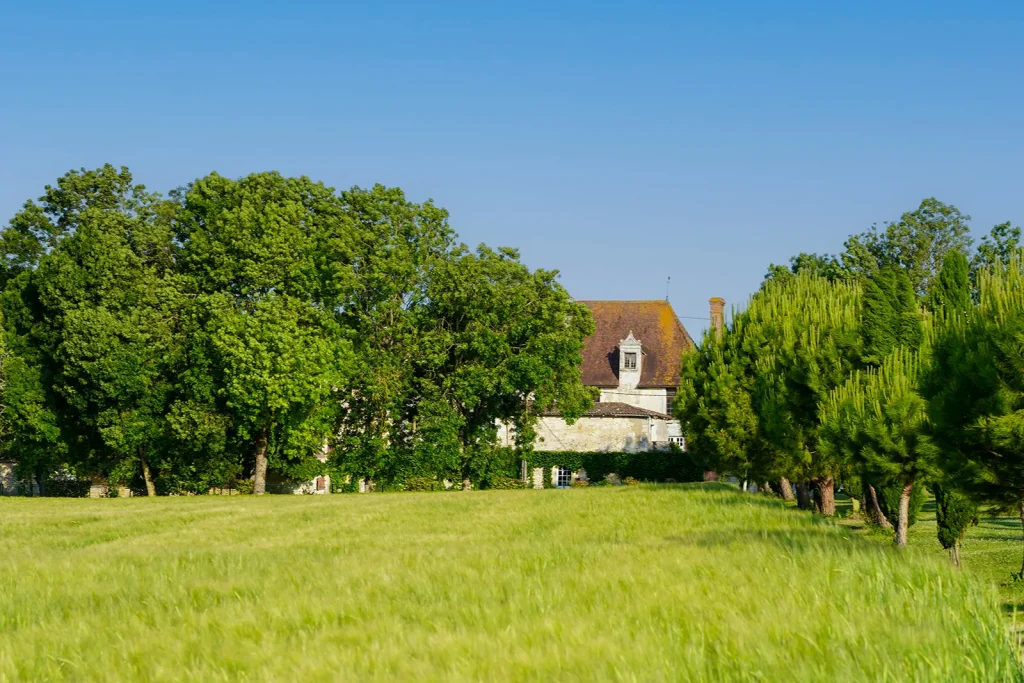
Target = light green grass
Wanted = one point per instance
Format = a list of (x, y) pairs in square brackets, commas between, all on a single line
[(990, 551), (628, 583)]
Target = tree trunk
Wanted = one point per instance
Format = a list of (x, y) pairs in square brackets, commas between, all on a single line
[(826, 496), (803, 496), (147, 476), (744, 486), (1021, 575), (259, 477), (875, 510), (904, 517), (785, 489), (40, 482), (954, 554)]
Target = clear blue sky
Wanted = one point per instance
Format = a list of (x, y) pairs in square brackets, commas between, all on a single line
[(621, 143)]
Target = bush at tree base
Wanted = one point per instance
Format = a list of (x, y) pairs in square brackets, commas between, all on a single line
[(954, 512), (657, 466), (889, 501)]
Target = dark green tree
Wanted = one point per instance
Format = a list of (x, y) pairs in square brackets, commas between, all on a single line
[(891, 318), (952, 289), (954, 512), (270, 260)]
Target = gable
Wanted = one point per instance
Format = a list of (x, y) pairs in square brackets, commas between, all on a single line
[(654, 323)]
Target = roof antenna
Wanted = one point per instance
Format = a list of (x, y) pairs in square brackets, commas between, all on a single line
[(667, 283)]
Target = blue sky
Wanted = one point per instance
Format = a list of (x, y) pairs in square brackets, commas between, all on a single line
[(621, 143)]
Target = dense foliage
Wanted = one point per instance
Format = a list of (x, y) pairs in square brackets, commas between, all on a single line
[(238, 328), (893, 366)]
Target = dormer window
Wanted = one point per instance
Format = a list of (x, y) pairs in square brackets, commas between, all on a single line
[(629, 363)]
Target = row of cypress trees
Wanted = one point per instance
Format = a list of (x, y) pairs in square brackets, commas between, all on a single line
[(860, 382)]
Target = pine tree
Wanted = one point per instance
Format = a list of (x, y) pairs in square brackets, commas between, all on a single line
[(976, 391)]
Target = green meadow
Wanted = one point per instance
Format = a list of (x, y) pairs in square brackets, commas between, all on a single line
[(641, 583)]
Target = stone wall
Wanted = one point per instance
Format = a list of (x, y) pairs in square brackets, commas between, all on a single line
[(651, 399), (598, 434), (590, 434), (8, 486)]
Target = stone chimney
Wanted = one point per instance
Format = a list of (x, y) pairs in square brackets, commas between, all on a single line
[(717, 314)]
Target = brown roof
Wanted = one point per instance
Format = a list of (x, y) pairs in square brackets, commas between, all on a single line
[(614, 409), (662, 337)]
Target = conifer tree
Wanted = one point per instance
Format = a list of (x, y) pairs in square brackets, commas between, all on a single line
[(952, 289), (976, 391), (807, 329)]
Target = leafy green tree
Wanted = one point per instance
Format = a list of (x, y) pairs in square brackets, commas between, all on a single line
[(917, 243), (398, 244), (976, 391), (503, 344), (270, 259), (995, 248), (40, 437), (109, 304), (821, 265)]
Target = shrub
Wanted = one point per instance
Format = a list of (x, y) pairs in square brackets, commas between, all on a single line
[(67, 488), (244, 486), (499, 482), (423, 484), (646, 466), (580, 483), (630, 481)]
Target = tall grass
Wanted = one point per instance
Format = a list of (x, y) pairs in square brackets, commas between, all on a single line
[(631, 583)]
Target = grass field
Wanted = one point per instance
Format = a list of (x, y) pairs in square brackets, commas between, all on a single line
[(628, 583), (990, 551)]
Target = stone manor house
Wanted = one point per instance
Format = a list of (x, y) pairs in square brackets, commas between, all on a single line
[(634, 359)]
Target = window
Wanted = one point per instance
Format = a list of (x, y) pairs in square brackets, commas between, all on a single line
[(629, 363), (564, 478)]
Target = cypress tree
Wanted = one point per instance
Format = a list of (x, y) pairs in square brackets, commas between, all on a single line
[(954, 512), (952, 288)]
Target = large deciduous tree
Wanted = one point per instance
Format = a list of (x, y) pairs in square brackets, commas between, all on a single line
[(917, 243), (270, 260), (503, 344), (42, 425), (398, 245)]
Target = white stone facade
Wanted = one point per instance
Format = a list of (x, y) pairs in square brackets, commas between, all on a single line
[(601, 434), (651, 399)]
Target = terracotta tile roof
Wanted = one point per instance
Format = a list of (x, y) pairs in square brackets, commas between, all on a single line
[(614, 409), (654, 323)]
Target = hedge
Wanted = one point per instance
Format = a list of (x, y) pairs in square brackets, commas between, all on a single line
[(672, 464)]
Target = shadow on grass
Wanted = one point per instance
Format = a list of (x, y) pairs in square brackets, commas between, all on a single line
[(1005, 522), (803, 539)]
